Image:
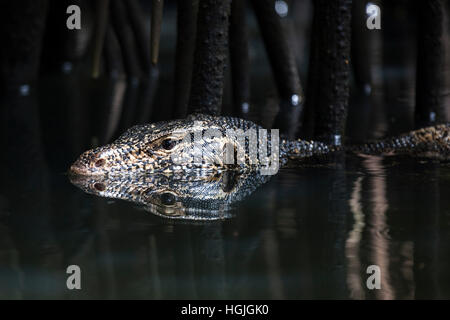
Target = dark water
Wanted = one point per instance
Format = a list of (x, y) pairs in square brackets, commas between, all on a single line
[(310, 232)]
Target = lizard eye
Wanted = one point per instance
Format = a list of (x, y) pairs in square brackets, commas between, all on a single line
[(168, 144), (168, 199)]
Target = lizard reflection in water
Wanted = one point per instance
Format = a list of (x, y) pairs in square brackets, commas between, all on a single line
[(183, 196), (140, 165)]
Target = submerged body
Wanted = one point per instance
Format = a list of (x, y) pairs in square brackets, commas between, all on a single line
[(156, 148)]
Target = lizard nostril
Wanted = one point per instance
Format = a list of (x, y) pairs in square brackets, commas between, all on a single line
[(99, 186), (100, 163)]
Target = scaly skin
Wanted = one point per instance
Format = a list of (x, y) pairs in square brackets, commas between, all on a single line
[(150, 148), (430, 142)]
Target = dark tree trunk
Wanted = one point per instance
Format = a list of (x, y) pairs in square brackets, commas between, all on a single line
[(210, 56), (239, 58), (333, 60), (430, 79), (186, 29)]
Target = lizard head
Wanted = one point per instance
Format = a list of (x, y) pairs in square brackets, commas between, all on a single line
[(167, 147)]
